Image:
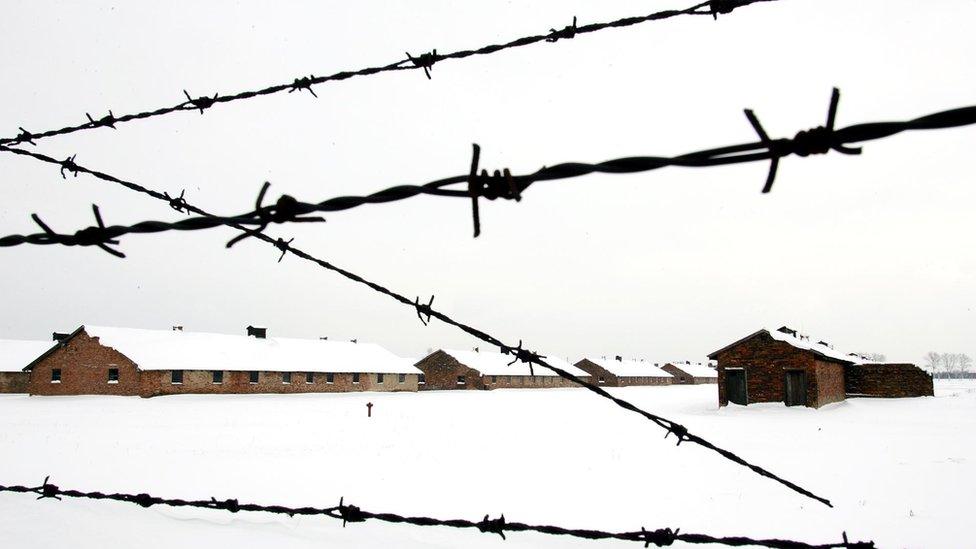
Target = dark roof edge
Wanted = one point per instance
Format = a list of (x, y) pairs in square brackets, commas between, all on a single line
[(714, 355), (57, 345)]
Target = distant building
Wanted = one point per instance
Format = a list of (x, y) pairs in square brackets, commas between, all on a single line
[(95, 360), (14, 355), (786, 366), (687, 372), (618, 372), (451, 369)]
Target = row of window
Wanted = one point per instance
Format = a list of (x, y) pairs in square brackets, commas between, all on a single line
[(113, 375), (521, 379), (217, 376)]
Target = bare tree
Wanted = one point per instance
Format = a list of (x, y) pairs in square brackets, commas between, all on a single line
[(950, 362), (965, 363), (933, 361)]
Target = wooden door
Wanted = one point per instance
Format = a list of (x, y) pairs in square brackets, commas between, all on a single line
[(796, 388), (735, 386)]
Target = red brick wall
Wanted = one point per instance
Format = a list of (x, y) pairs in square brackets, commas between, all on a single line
[(14, 382), (765, 362), (441, 372), (84, 368), (596, 372), (201, 382), (889, 380), (829, 384), (680, 376), (527, 382)]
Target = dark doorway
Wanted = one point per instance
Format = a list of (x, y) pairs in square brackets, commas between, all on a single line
[(735, 386), (796, 388)]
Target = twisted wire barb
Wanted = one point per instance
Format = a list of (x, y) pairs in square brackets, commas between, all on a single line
[(424, 62), (351, 513), (427, 310), (502, 184)]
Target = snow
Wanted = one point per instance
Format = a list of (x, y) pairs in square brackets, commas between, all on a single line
[(555, 456), (492, 363), (812, 344), (629, 368), (180, 350), (696, 369), (15, 353)]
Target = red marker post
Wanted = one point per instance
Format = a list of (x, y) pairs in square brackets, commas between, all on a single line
[(369, 409)]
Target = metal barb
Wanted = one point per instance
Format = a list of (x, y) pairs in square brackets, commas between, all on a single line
[(203, 102), (716, 7), (493, 526), (178, 203), (48, 490), (24, 137), (107, 120), (282, 245), (303, 83), (425, 61), (661, 537), (567, 32), (424, 310), (69, 164)]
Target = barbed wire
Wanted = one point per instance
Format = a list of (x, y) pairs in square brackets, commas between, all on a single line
[(426, 310), (501, 183), (423, 62), (353, 514)]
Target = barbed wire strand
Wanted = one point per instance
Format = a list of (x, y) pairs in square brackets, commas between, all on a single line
[(500, 184), (423, 62), (351, 513), (518, 352)]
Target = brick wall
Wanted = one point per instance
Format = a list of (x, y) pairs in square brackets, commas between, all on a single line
[(156, 383), (84, 366), (527, 382), (889, 380), (441, 372), (597, 372), (829, 384), (680, 376), (14, 382)]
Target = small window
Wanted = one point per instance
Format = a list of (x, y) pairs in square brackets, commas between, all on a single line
[(422, 379), (355, 378), (218, 376), (176, 377), (56, 375), (253, 377), (460, 380), (494, 379), (379, 378), (309, 377), (402, 378), (286, 377), (330, 377), (602, 380), (113, 375)]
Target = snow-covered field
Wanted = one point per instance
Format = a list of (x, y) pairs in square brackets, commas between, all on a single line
[(900, 472)]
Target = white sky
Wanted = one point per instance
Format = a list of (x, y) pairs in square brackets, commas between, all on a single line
[(873, 253)]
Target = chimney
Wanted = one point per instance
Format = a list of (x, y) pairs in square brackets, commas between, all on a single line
[(787, 330), (324, 338), (476, 350), (824, 343), (177, 328), (618, 358), (58, 336), (354, 340), (257, 332)]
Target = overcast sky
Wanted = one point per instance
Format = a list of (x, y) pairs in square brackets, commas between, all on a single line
[(873, 253)]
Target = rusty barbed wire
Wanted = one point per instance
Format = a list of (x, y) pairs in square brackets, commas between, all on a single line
[(348, 513), (427, 311), (424, 62), (501, 183)]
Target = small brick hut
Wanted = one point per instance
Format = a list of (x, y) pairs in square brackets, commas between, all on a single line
[(618, 372), (14, 355), (785, 366), (96, 360), (691, 373), (447, 369)]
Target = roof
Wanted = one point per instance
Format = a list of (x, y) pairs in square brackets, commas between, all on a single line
[(805, 343), (630, 368), (695, 369), (15, 353), (176, 350), (496, 364)]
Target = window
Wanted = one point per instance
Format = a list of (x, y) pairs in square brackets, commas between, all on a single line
[(113, 375), (286, 377), (330, 377), (252, 377), (355, 378), (422, 379), (379, 378), (494, 379), (56, 375), (460, 380), (309, 377), (602, 380), (402, 378), (176, 377), (218, 377)]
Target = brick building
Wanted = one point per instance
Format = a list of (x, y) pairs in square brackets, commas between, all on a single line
[(14, 355), (687, 372), (785, 366), (618, 372), (452, 369), (96, 360)]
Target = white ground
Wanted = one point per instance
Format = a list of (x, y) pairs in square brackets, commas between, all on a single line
[(901, 472)]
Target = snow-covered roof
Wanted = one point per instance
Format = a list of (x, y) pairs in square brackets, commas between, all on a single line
[(177, 350), (629, 367), (807, 343), (15, 354), (696, 369), (496, 364)]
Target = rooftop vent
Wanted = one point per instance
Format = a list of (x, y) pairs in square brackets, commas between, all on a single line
[(58, 336), (177, 328), (787, 330), (259, 333), (618, 358), (324, 338), (354, 340), (476, 350)]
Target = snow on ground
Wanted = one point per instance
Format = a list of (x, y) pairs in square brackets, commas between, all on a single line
[(900, 472)]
